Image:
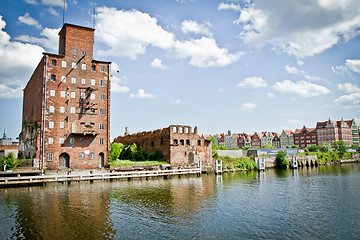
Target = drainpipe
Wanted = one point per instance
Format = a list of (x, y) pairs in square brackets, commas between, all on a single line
[(108, 114), (41, 165)]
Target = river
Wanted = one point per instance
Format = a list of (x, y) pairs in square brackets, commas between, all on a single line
[(309, 203)]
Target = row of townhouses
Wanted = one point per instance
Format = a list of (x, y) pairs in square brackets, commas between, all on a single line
[(324, 132)]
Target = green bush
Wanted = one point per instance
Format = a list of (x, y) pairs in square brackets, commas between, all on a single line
[(238, 163), (280, 159), (10, 162), (133, 153), (115, 150)]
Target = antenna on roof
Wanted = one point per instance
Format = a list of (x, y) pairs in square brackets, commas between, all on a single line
[(93, 26), (64, 12)]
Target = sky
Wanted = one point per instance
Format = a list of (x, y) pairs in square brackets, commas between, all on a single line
[(243, 66)]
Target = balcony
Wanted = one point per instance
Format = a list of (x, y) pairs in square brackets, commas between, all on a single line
[(81, 129)]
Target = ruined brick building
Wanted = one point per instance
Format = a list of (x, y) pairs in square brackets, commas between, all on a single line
[(179, 144), (66, 106)]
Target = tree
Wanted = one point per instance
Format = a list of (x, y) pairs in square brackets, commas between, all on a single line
[(222, 147), (325, 147), (340, 146), (214, 145), (313, 148), (115, 150), (280, 159), (267, 146), (10, 161), (294, 146)]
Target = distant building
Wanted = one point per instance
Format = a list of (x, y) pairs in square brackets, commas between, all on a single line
[(332, 131), (66, 106), (276, 141), (8, 145), (179, 144), (255, 140), (286, 138), (305, 137)]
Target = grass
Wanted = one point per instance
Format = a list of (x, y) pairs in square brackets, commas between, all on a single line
[(238, 163), (128, 163)]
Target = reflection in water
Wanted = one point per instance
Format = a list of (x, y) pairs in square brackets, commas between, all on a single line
[(308, 203)]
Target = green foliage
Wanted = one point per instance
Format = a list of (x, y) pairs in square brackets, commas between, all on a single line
[(325, 147), (10, 161), (215, 154), (294, 146), (280, 159), (340, 146), (214, 146), (267, 146), (222, 147), (287, 146), (26, 162), (133, 153), (238, 163), (313, 148), (115, 150)]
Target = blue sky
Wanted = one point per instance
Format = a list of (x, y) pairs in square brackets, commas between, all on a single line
[(240, 65)]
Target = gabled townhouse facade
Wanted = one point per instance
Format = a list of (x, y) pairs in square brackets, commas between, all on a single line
[(354, 132), (276, 141), (305, 137), (286, 138), (255, 140), (332, 131)]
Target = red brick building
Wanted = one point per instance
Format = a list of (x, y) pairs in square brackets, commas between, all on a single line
[(66, 106), (256, 140), (305, 137), (331, 131), (179, 144)]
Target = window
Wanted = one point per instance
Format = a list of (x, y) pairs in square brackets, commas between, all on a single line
[(63, 79), (188, 142), (101, 126), (51, 124), (51, 109), (92, 82), (73, 65), (83, 53), (63, 64), (82, 95), (72, 110), (92, 140), (50, 157), (101, 111), (102, 97), (53, 77), (51, 140), (82, 141), (62, 109), (82, 110), (81, 155), (83, 81), (72, 142), (93, 68), (62, 94), (182, 142), (92, 96), (102, 68), (61, 140), (74, 52), (91, 155), (92, 110), (73, 80), (72, 94), (62, 125), (83, 66), (199, 142), (52, 93), (53, 62), (101, 140)]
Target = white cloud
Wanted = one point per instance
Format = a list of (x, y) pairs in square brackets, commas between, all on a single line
[(220, 89), (348, 101), (157, 63), (176, 102), (232, 6), (348, 87), (300, 63), (117, 84), (27, 20), (55, 3), (254, 82), (129, 33), (248, 106), (295, 122), (49, 40), (299, 29), (15, 71), (293, 70), (189, 26), (270, 95), (33, 2), (141, 94), (300, 89), (52, 11), (353, 65), (204, 52)]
